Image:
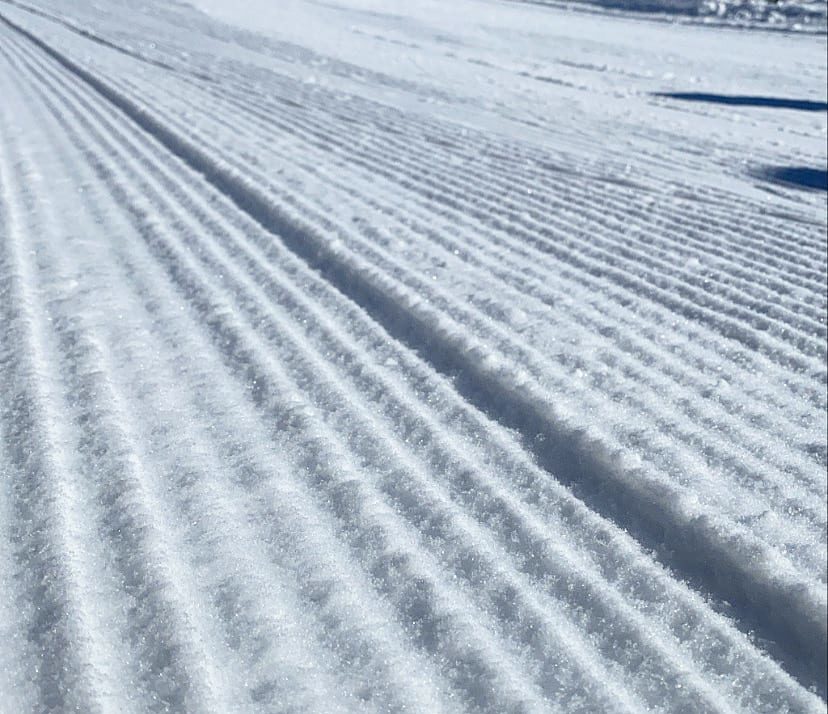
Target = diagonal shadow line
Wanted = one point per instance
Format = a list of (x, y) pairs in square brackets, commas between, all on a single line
[(738, 100)]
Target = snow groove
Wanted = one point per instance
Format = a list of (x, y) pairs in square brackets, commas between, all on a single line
[(315, 477), (60, 605), (546, 297), (570, 457)]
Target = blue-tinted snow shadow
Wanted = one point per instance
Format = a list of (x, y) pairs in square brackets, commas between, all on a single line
[(795, 177), (737, 100)]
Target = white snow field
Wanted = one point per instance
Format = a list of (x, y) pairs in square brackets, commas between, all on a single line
[(423, 356)]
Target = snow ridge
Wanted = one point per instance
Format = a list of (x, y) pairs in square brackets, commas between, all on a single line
[(402, 506)]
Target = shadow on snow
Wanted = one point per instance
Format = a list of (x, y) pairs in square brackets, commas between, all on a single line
[(747, 101), (796, 177)]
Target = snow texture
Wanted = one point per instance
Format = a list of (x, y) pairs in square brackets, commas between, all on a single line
[(785, 15), (425, 356)]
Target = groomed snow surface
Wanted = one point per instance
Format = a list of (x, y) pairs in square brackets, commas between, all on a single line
[(409, 356)]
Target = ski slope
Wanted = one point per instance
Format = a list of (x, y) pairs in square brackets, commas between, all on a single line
[(426, 357)]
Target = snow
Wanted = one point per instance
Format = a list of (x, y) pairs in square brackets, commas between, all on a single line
[(367, 356)]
